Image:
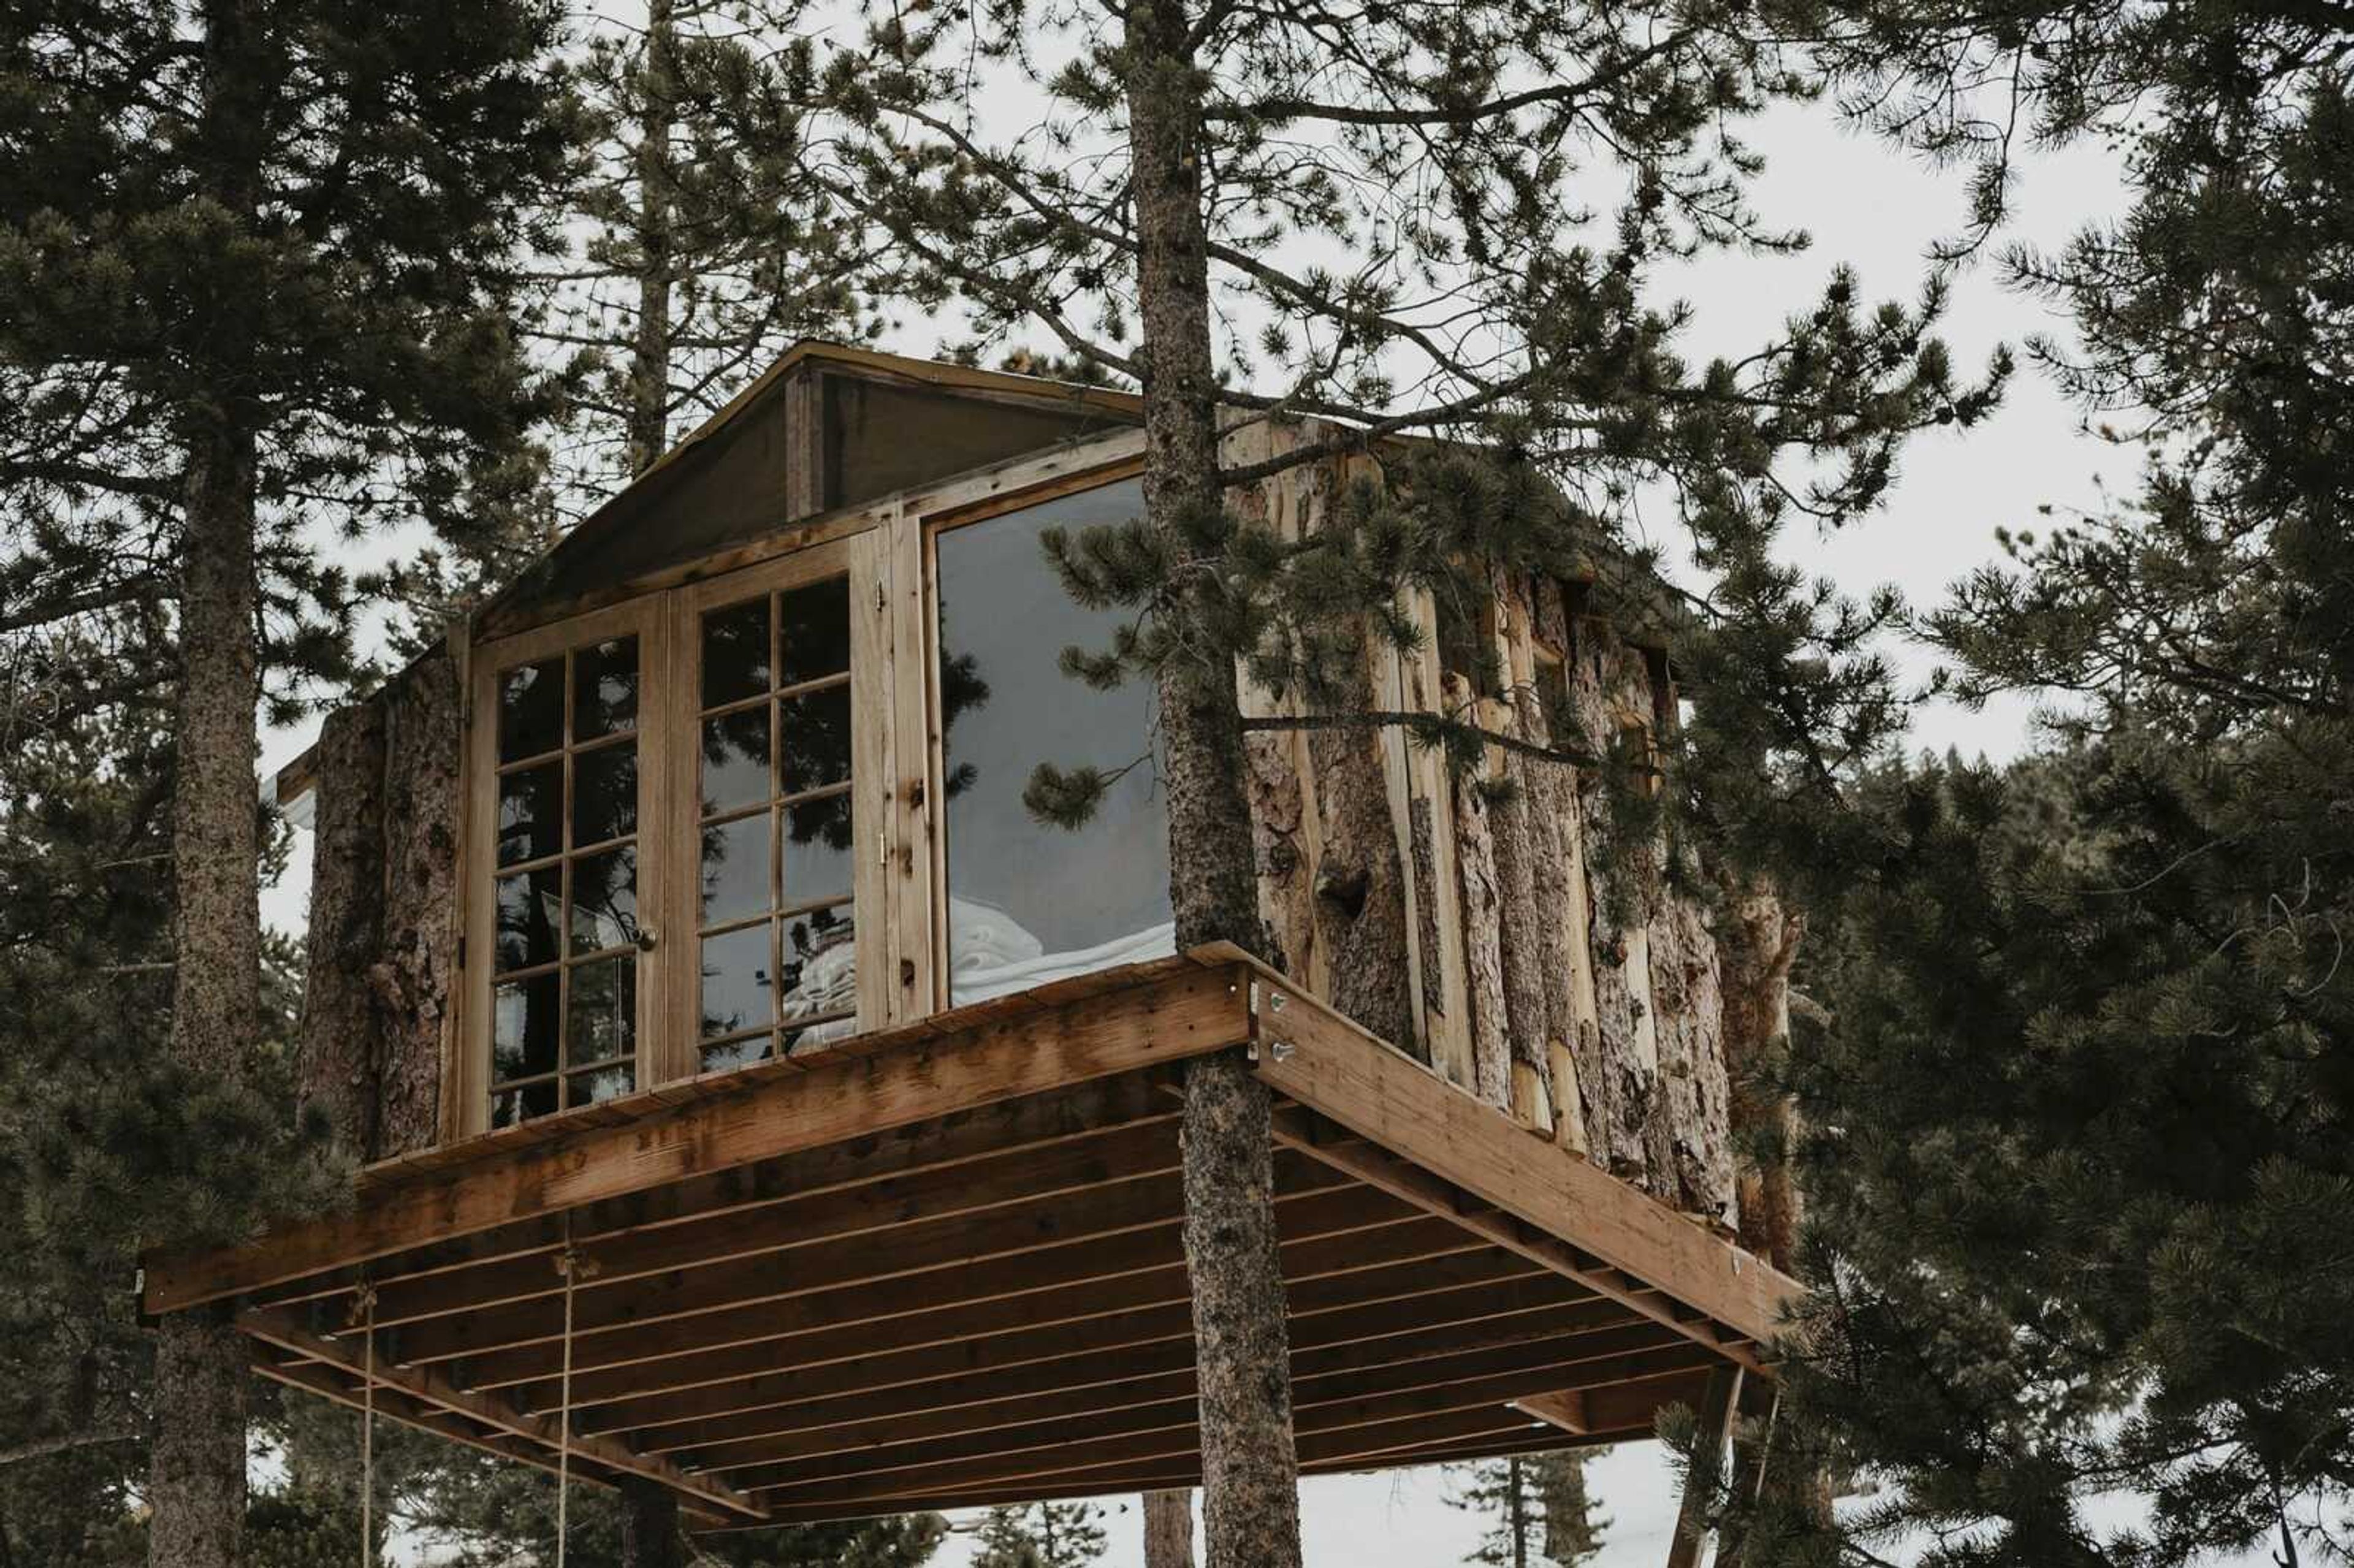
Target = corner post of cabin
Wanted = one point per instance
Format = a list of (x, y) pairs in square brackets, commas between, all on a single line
[(1241, 1319)]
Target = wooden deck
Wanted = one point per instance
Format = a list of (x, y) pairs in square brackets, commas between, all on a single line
[(940, 1266)]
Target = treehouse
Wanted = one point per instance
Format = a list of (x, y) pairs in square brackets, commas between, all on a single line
[(761, 1103)]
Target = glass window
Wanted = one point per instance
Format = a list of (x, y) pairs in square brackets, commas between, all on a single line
[(1029, 903), (775, 941), (565, 894)]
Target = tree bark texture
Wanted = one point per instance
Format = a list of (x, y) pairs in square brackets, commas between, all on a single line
[(1483, 915), (1169, 1529), (1250, 1490), (649, 404), (1759, 943), (196, 1480), (1250, 1468), (650, 1532), (384, 902)]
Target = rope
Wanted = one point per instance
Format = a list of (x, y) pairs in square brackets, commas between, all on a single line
[(364, 1308), (574, 1265)]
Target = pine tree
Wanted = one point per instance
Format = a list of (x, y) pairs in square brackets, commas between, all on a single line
[(1538, 1510), (255, 269), (1148, 218), (711, 246), (2080, 1071), (1041, 1535)]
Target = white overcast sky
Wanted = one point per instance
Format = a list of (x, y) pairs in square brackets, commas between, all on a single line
[(1878, 212)]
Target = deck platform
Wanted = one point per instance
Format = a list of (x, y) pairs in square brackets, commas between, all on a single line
[(940, 1266)]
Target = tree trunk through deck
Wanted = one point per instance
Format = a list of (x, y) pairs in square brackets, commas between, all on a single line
[(649, 406), (335, 1062), (1249, 1466), (196, 1483), (1169, 1529), (650, 1533)]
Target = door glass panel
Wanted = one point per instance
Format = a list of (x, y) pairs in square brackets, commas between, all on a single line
[(529, 903), (604, 689), (1029, 903), (565, 928), (735, 758), (796, 958), (735, 653), (734, 869), (604, 794), (531, 709)]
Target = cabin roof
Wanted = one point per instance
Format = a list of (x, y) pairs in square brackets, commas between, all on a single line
[(941, 1265)]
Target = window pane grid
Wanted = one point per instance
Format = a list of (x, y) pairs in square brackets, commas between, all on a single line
[(573, 1040), (756, 993)]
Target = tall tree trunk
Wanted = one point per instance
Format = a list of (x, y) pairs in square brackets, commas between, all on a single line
[(197, 1459), (1169, 1529), (1249, 1466), (650, 1534), (649, 408), (196, 1485)]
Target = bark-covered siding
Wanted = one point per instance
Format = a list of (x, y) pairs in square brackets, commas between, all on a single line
[(1592, 996), (384, 911)]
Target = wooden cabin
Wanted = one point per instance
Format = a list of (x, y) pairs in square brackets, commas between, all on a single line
[(759, 1101)]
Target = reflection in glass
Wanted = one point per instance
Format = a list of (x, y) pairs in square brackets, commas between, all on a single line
[(817, 850), (600, 1083), (734, 1054), (565, 1033), (529, 906), (734, 869), (531, 709), (604, 794), (604, 689), (813, 740), (736, 993), (604, 902), (524, 1028), (746, 985), (736, 759), (603, 1010), (531, 818), (735, 653), (521, 1104), (1030, 903), (816, 626)]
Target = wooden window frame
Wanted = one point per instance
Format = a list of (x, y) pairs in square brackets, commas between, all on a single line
[(467, 1104), (923, 530), (899, 896)]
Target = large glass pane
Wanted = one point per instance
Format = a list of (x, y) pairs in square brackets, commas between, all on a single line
[(734, 1054), (530, 904), (604, 689), (524, 1028), (736, 652), (604, 794), (815, 622), (531, 709), (605, 901), (1030, 903), (736, 759), (813, 740), (602, 1020), (531, 814), (736, 993), (734, 869)]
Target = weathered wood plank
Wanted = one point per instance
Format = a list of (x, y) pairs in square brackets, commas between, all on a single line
[(1186, 1013), (1418, 1121)]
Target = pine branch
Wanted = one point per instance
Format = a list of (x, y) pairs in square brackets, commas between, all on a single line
[(1436, 727), (66, 1443)]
